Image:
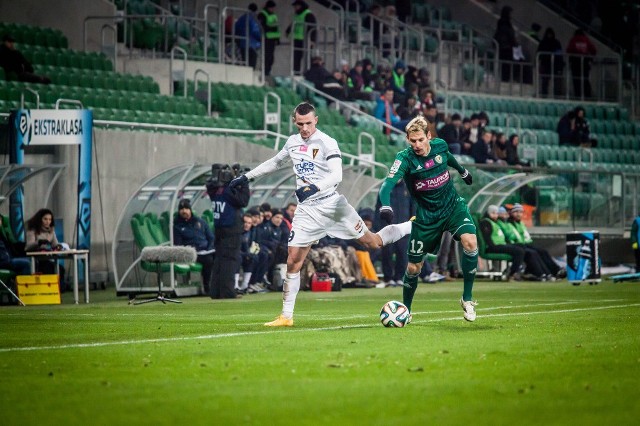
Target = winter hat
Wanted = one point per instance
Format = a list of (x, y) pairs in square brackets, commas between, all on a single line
[(184, 204)]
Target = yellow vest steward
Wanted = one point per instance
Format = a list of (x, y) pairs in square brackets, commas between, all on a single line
[(298, 25), (271, 24)]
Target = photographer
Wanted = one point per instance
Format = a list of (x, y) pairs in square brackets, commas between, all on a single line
[(227, 204)]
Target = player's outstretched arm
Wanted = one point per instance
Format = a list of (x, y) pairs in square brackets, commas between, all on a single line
[(464, 173)]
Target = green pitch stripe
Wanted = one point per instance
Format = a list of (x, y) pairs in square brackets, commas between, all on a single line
[(299, 330)]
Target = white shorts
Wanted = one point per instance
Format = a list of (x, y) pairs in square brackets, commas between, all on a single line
[(332, 216)]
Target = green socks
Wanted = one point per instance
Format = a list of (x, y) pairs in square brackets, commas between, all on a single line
[(409, 287), (469, 269)]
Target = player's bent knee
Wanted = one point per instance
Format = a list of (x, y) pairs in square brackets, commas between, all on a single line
[(414, 268), (469, 242)]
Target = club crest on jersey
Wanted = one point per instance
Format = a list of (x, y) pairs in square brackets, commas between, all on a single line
[(315, 152), (394, 168), (438, 159)]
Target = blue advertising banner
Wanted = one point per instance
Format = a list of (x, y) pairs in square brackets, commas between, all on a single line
[(583, 257)]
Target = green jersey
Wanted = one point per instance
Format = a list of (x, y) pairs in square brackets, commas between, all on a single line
[(427, 179)]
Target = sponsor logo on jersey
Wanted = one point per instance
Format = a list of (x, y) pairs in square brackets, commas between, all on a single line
[(438, 159), (432, 183), (429, 164), (419, 167), (394, 168), (315, 152), (359, 226), (303, 148), (304, 168)]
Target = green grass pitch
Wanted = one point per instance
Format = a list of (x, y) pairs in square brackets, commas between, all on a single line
[(538, 354)]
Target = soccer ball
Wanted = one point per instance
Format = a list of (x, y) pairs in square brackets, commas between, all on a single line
[(394, 314)]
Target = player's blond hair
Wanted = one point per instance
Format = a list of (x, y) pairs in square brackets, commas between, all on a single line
[(420, 124)]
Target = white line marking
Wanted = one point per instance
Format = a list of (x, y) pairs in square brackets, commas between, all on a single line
[(253, 333)]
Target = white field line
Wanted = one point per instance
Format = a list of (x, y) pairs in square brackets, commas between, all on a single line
[(298, 330), (58, 314)]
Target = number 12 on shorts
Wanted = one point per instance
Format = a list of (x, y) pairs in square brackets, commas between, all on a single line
[(416, 247)]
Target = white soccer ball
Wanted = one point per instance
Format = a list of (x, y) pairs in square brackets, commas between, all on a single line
[(394, 314)]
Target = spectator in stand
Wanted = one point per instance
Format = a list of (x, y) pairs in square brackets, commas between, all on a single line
[(190, 230), (483, 121), (369, 74), (398, 81), (344, 68), (269, 22), (472, 134), (386, 112), (581, 52), (551, 63), (534, 31), (356, 84), (408, 110), (466, 132), (302, 30), (383, 77), (424, 79), (513, 159), (573, 128), (452, 134), (324, 80), (496, 242), (500, 146), (428, 98), (482, 151), (15, 65), (248, 29), (431, 114), (505, 36)]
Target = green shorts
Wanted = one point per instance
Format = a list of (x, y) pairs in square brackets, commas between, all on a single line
[(425, 237)]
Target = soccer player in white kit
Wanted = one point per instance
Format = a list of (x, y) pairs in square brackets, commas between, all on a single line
[(317, 164)]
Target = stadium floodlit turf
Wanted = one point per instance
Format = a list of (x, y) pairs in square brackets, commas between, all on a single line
[(538, 354)]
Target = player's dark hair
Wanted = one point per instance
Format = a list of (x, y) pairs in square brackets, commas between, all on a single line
[(303, 108)]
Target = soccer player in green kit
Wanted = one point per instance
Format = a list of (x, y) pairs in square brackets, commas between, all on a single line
[(424, 166)]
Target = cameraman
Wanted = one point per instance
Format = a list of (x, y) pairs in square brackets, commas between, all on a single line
[(227, 204)]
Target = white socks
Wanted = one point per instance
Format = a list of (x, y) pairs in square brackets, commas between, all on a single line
[(245, 280), (392, 233), (290, 290)]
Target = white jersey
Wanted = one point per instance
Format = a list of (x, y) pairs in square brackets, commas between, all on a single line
[(310, 160)]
